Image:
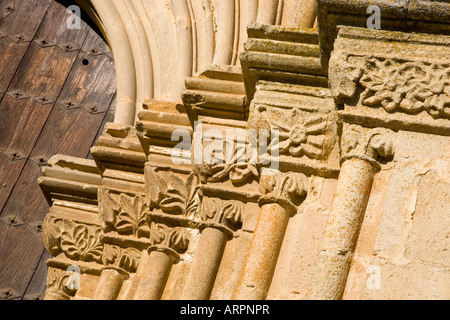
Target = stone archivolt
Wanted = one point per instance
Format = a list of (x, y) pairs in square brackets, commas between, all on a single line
[(141, 226)]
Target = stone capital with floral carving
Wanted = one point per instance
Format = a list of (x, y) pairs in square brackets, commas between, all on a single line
[(374, 145), (288, 189)]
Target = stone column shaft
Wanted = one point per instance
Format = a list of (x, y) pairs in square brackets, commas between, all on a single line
[(203, 272), (263, 254), (155, 276), (109, 285), (341, 234)]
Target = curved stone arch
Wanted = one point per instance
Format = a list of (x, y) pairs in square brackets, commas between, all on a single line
[(157, 44)]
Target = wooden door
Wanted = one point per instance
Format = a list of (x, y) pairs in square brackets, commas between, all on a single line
[(57, 88)]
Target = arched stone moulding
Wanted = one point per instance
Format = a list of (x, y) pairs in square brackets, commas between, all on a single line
[(158, 229), (157, 44)]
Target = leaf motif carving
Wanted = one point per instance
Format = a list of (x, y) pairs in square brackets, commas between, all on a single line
[(80, 242), (232, 211), (123, 213), (406, 86), (109, 205), (192, 196), (51, 234), (56, 280), (220, 211), (176, 238), (284, 188), (132, 215), (157, 233), (235, 172), (124, 258), (174, 195)]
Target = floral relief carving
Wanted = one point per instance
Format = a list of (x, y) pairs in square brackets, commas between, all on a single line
[(176, 238), (221, 211), (58, 280), (170, 193), (76, 241), (124, 213), (124, 258), (237, 168), (395, 84), (407, 86), (286, 188), (372, 144), (235, 172), (301, 133)]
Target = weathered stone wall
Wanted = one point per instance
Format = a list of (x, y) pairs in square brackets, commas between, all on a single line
[(406, 229)]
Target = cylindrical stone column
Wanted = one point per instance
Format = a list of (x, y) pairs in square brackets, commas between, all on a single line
[(155, 275), (342, 230), (263, 253), (306, 13), (203, 272), (110, 283)]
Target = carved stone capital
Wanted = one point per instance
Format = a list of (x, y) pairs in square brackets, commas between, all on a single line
[(221, 213), (59, 285), (77, 241), (172, 240), (375, 145), (123, 213), (285, 188), (172, 193), (126, 259)]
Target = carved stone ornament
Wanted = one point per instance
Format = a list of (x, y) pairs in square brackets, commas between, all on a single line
[(373, 145), (221, 211), (286, 188), (123, 258), (58, 282), (172, 194), (301, 132), (235, 172), (394, 84), (164, 236), (77, 241), (123, 213)]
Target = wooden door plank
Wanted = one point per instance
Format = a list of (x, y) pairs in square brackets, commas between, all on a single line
[(68, 129), (16, 274), (22, 124), (91, 84), (109, 117), (41, 75), (16, 36), (11, 54), (29, 11), (26, 201), (38, 283), (9, 171)]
